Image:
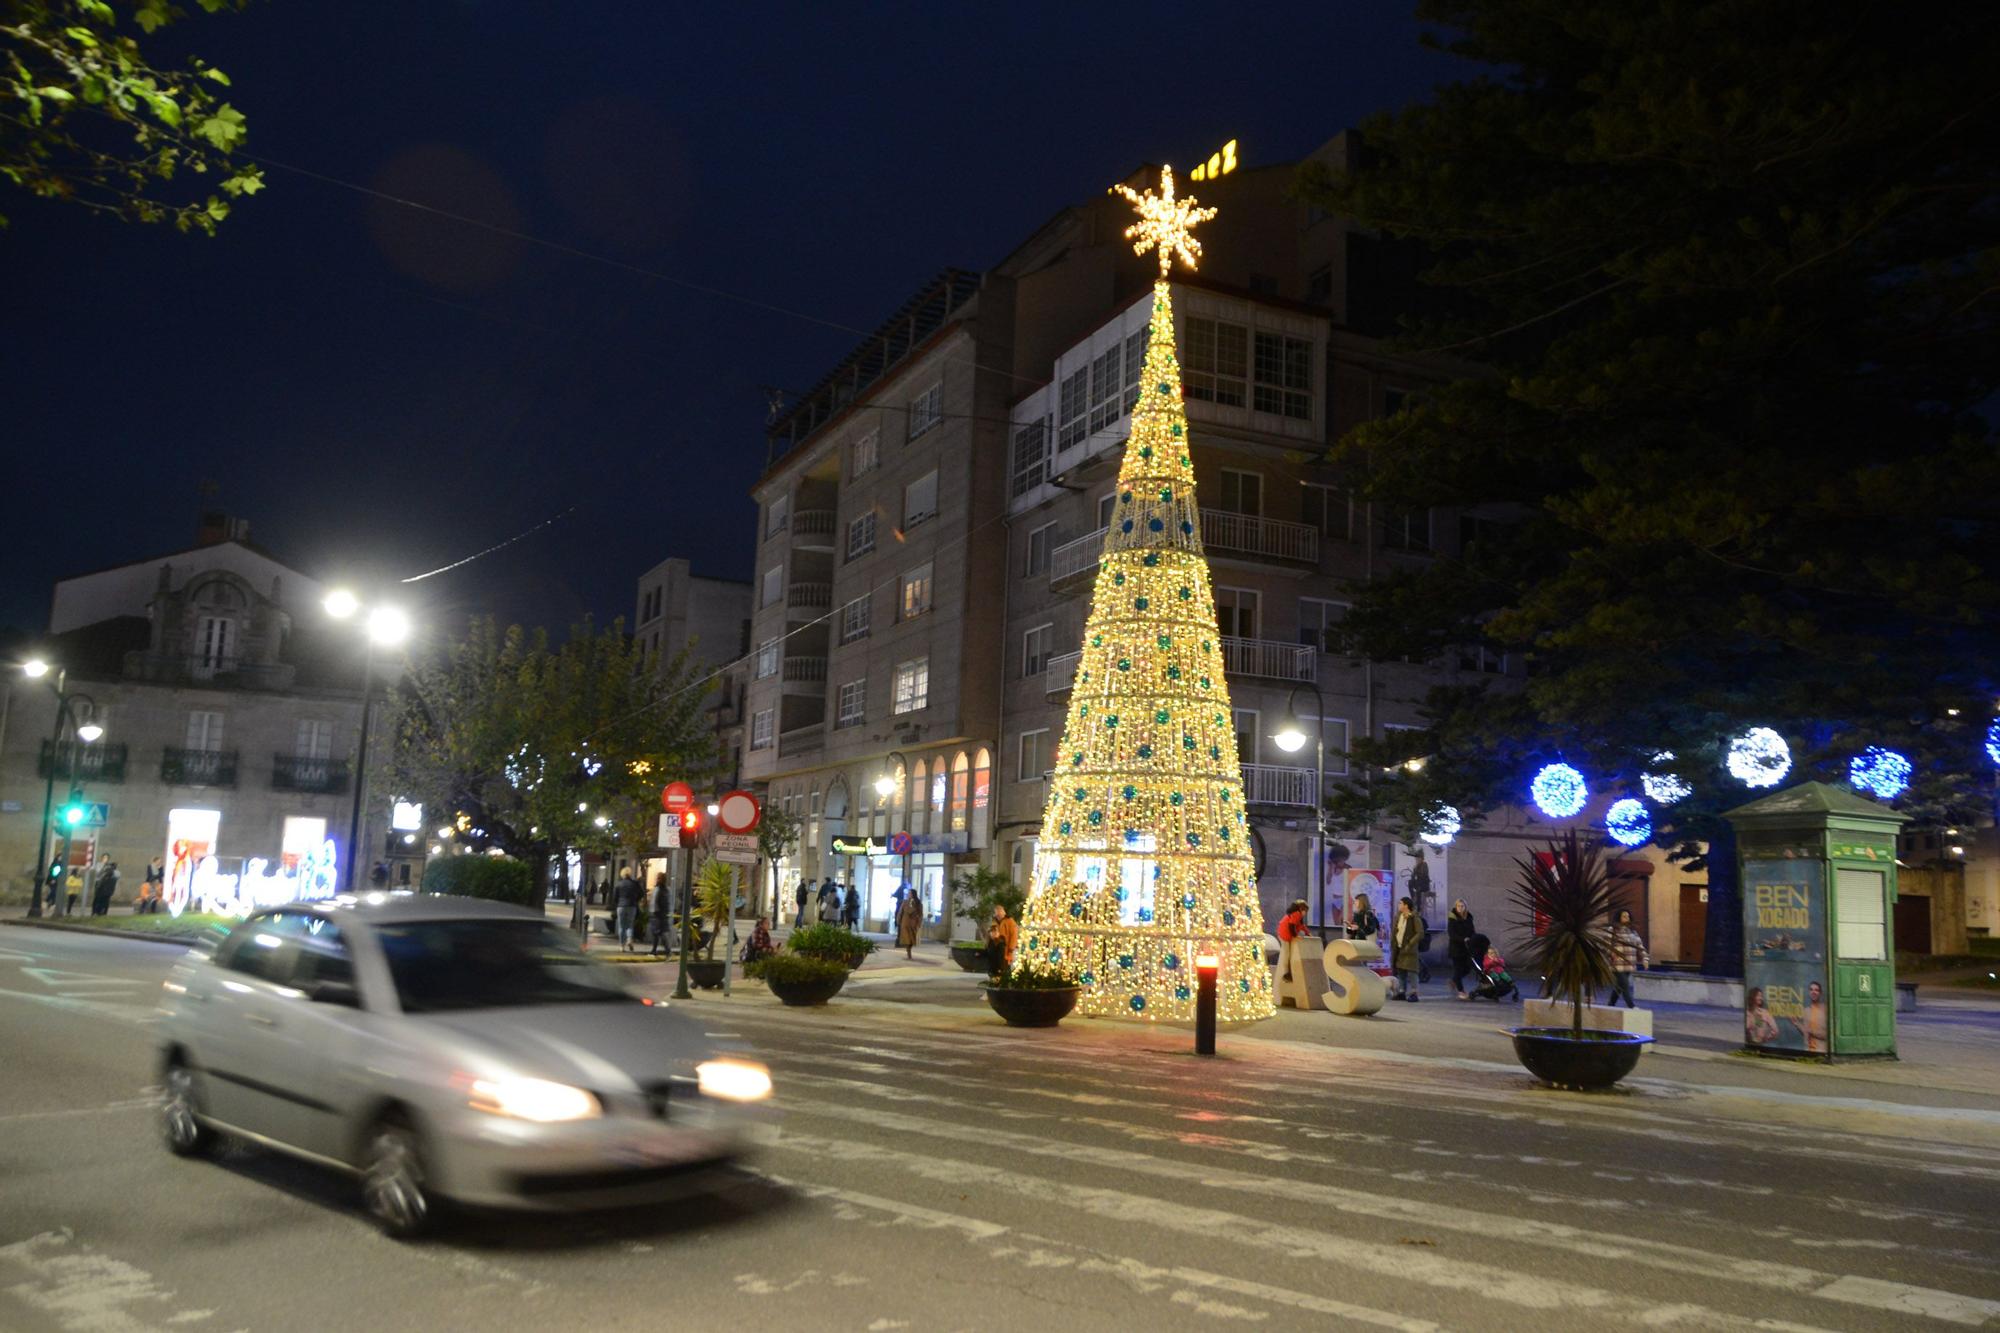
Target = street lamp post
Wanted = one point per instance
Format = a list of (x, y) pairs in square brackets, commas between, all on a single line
[(86, 731), (387, 627), (1291, 738), (885, 786)]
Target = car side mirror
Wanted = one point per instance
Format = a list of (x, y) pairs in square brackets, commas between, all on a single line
[(335, 992)]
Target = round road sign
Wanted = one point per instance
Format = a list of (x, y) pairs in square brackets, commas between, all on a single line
[(738, 812), (676, 797)]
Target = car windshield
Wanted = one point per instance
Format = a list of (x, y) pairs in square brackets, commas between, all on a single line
[(440, 965)]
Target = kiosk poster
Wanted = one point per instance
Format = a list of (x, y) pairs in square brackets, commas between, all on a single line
[(1784, 955)]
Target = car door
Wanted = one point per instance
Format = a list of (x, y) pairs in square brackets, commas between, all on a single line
[(242, 1025), (324, 1039)]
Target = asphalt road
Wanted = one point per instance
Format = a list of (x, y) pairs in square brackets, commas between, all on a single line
[(936, 1171)]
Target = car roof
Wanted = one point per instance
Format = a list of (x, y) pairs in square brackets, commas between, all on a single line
[(380, 908)]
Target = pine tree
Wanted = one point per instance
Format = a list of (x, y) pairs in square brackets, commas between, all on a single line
[(1145, 862)]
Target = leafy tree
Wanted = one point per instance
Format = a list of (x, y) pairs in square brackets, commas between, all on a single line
[(1721, 280), (537, 749), (87, 117)]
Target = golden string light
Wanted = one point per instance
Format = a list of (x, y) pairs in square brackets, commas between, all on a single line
[(1144, 862)]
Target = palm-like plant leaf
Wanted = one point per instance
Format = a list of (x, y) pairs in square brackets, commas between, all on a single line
[(1565, 907), (714, 899)]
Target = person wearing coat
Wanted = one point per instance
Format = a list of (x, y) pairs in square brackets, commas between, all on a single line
[(800, 898), (851, 910), (909, 920), (1458, 944), (107, 884), (829, 901), (1406, 941)]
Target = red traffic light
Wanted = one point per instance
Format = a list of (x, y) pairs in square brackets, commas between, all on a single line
[(690, 822)]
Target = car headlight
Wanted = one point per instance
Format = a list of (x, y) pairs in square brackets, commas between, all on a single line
[(734, 1080), (533, 1099)]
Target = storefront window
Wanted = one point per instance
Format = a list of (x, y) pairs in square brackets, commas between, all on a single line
[(961, 791), (982, 793), (918, 776), (937, 797)]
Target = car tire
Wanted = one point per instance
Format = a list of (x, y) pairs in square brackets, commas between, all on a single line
[(180, 1113), (395, 1180)]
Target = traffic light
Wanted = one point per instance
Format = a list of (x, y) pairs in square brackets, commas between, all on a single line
[(690, 824), (73, 814)]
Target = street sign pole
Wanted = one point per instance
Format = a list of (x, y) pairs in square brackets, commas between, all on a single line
[(681, 991)]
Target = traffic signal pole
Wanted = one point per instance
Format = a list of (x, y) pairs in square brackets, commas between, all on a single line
[(681, 991)]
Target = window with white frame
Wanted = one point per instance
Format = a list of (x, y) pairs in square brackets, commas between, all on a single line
[(1326, 508), (913, 593), (865, 453), (1135, 360), (1217, 362), (1036, 647), (861, 534), (1034, 756), (1405, 528), (1319, 623), (760, 729), (1242, 492), (1236, 612), (854, 620), (767, 659), (1284, 376), (1031, 456), (853, 704), (920, 499), (1040, 543), (913, 685), (314, 739), (1073, 409), (215, 646), (204, 730), (927, 409), (1107, 387), (774, 585), (778, 516)]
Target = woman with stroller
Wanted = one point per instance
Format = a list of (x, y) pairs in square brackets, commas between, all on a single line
[(1458, 945)]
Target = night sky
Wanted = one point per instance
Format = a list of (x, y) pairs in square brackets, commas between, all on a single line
[(381, 391)]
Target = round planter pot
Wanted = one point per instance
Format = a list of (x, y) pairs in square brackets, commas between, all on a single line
[(972, 958), (1033, 1008), (1557, 1058), (806, 992), (707, 972)]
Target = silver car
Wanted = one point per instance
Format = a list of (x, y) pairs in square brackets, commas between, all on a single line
[(446, 1050)]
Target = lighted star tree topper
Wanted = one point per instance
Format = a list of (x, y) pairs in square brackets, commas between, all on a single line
[(1144, 863)]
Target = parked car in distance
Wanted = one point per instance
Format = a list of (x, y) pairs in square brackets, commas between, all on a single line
[(446, 1050)]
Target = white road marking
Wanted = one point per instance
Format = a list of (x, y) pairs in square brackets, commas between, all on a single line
[(84, 1290)]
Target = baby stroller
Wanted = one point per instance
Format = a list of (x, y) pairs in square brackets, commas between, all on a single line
[(1490, 970)]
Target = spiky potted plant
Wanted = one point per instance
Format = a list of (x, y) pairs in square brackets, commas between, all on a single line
[(1565, 903), (975, 893), (714, 904)]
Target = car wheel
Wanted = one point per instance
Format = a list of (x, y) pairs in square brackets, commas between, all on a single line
[(180, 1114), (395, 1185)]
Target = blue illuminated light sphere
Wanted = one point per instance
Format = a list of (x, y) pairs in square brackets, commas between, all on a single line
[(1662, 785), (1993, 741), (1628, 822), (1759, 758), (1441, 825), (1881, 773), (1559, 791)]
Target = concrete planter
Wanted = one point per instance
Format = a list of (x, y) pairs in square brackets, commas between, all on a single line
[(1556, 1014)]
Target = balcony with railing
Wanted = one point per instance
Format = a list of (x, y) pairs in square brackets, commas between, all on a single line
[(198, 768), (1274, 784), (812, 529), (293, 772), (809, 596), (1059, 676), (1268, 659), (805, 675), (98, 761), (1073, 565), (1259, 538)]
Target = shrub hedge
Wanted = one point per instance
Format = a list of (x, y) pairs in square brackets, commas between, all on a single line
[(501, 879)]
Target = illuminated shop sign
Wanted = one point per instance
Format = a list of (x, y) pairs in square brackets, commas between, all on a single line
[(316, 875)]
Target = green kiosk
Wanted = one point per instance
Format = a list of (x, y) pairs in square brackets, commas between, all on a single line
[(1818, 866)]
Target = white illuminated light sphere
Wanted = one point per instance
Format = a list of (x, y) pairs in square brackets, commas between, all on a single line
[(340, 604), (1759, 758), (388, 626), (1559, 791), (1628, 822), (89, 732), (885, 786), (35, 668), (1441, 825), (1664, 787)]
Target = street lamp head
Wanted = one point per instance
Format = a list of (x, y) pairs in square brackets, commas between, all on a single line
[(34, 668), (885, 786), (388, 626), (1291, 737), (89, 732), (341, 604)]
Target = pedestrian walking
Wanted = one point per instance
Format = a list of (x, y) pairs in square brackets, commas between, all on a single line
[(659, 914), (625, 895), (1628, 955), (851, 918), (1290, 926), (1406, 940), (909, 920), (829, 901), (1458, 944), (107, 884), (799, 896)]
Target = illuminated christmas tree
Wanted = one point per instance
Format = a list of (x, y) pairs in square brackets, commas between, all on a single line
[(1144, 863)]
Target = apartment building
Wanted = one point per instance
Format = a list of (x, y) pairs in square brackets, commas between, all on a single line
[(678, 610)]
